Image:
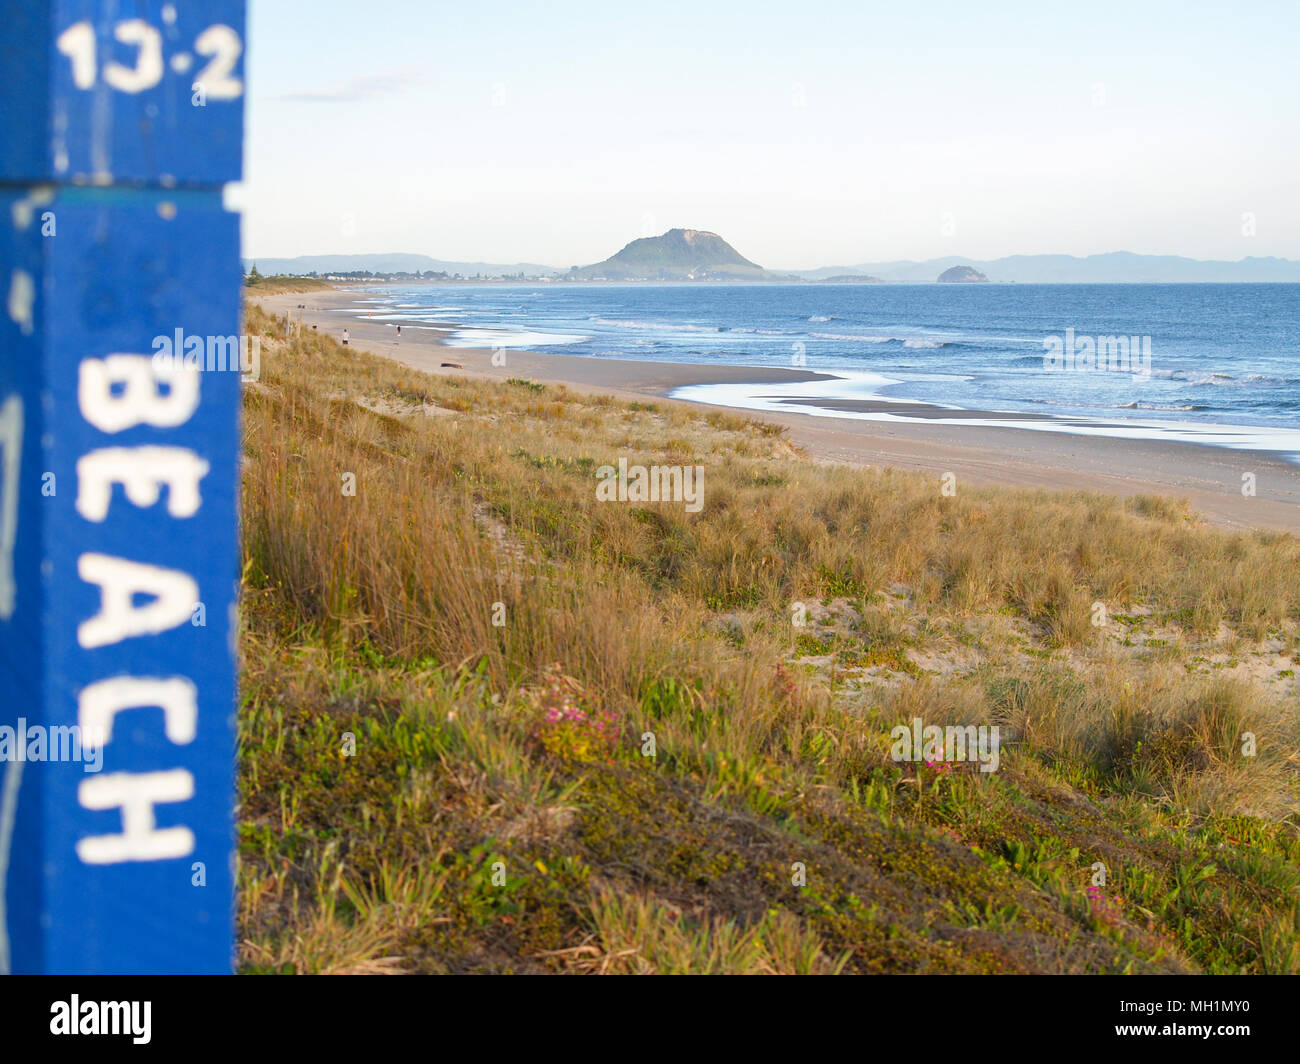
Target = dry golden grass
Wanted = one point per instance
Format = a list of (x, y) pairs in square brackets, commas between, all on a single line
[(272, 286)]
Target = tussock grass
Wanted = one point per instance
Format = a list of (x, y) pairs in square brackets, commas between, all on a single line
[(271, 286), (391, 518)]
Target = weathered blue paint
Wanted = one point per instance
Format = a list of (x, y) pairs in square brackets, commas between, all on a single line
[(113, 103), (111, 488)]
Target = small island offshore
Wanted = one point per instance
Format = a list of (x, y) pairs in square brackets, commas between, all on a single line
[(961, 275)]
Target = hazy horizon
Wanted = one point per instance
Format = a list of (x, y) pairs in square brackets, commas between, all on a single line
[(807, 137), (773, 268)]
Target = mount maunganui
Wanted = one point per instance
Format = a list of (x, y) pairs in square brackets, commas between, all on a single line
[(677, 255)]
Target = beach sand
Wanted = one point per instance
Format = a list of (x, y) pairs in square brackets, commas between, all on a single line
[(1209, 477)]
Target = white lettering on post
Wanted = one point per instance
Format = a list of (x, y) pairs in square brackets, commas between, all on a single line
[(136, 794), (11, 438), (173, 593), (177, 697), (142, 471), (140, 400)]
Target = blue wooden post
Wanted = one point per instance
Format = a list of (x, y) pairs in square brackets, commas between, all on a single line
[(120, 377)]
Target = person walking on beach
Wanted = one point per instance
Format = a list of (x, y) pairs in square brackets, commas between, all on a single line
[(345, 338), (399, 334)]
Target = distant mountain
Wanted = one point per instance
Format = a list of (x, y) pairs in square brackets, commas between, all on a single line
[(960, 275), (851, 278), (395, 263), (677, 255), (1113, 267)]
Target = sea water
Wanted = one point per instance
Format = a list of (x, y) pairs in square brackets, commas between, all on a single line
[(1212, 363)]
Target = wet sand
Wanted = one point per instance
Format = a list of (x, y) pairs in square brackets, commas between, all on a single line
[(1209, 477)]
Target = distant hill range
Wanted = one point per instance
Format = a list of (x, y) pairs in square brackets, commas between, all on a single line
[(1113, 267), (394, 263), (693, 254), (677, 255)]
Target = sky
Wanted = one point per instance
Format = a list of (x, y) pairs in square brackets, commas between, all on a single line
[(806, 134)]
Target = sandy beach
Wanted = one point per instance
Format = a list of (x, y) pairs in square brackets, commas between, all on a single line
[(1209, 477)]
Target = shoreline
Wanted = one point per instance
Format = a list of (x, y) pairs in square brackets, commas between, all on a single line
[(922, 438)]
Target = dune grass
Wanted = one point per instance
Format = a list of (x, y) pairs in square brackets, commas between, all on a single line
[(278, 285), (490, 723)]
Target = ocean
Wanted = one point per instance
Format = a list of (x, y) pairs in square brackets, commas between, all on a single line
[(1205, 363)]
